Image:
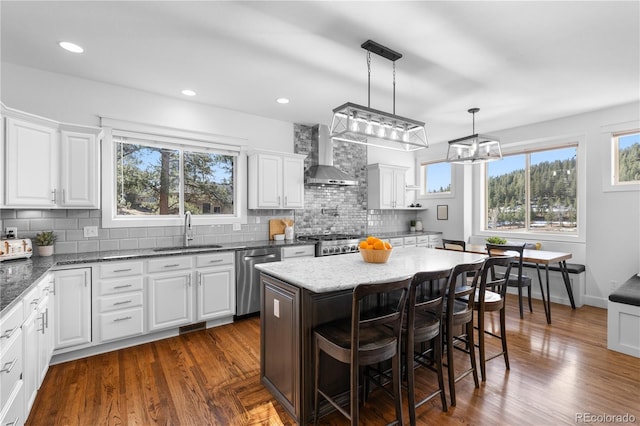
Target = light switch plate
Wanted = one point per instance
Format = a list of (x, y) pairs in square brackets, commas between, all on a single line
[(276, 308), (13, 230), (236, 227), (90, 231)]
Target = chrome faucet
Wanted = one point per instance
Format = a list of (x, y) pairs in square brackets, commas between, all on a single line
[(187, 228)]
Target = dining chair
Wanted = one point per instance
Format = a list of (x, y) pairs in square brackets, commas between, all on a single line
[(370, 336), (517, 279), (454, 245), (459, 315), (490, 297), (423, 324)]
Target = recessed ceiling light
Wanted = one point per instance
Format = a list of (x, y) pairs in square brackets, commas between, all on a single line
[(188, 92), (282, 100), (71, 47)]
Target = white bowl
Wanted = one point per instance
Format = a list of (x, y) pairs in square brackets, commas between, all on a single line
[(278, 237)]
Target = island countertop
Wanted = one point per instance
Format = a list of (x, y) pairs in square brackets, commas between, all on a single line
[(331, 273)]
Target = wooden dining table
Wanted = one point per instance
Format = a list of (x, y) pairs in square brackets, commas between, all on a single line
[(544, 258)]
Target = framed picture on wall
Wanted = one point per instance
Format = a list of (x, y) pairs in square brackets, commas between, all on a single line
[(443, 212)]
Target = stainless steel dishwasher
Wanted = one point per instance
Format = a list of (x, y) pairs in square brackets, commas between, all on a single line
[(248, 278)]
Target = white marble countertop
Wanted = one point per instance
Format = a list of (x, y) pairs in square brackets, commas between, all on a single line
[(332, 273)]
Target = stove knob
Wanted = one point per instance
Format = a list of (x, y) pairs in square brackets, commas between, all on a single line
[(354, 248), (345, 249), (325, 250)]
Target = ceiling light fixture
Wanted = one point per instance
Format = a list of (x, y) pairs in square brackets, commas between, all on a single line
[(70, 47), (474, 148), (367, 126), (188, 92), (282, 100)]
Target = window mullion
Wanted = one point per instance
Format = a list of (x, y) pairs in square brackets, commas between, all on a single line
[(527, 193), (181, 206)]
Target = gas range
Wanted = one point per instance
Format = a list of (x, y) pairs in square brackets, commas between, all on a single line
[(330, 244)]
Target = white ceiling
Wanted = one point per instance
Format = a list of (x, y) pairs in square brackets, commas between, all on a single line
[(519, 62)]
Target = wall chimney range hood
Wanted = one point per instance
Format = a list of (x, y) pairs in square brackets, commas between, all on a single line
[(325, 173)]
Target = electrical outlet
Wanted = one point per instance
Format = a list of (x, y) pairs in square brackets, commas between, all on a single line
[(257, 219), (11, 231), (90, 231), (236, 227)]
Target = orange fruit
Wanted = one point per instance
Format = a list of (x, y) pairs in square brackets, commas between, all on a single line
[(378, 245), (363, 245), (371, 240), (387, 245)]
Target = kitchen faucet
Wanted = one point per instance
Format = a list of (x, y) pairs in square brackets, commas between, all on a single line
[(187, 228)]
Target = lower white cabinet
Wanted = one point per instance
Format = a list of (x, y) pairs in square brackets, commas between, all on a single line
[(215, 284), (11, 371), (298, 251), (169, 292), (72, 288)]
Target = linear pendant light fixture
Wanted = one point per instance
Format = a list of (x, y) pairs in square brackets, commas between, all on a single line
[(367, 126), (474, 148)]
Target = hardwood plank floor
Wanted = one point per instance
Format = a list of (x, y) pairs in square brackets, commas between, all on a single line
[(211, 377)]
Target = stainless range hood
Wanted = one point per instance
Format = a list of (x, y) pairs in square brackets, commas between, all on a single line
[(325, 173)]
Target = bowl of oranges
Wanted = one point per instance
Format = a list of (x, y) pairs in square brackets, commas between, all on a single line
[(374, 250)]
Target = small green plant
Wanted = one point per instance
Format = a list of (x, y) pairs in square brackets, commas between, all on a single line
[(496, 240), (413, 223), (45, 238)]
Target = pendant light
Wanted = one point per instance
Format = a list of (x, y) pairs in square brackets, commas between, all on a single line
[(475, 147), (367, 126)]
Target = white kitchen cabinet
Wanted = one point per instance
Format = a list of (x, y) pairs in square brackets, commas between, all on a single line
[(276, 181), (79, 169), (215, 294), (12, 404), (118, 301), (298, 251), (170, 294), (72, 309), (50, 164), (386, 186), (31, 163)]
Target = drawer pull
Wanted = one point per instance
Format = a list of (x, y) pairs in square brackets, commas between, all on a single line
[(7, 367), (299, 252), (8, 333), (122, 319), (35, 301), (16, 422), (122, 270), (124, 302), (216, 260), (172, 265), (121, 286)]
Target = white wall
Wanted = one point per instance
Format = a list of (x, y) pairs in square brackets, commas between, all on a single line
[(78, 101)]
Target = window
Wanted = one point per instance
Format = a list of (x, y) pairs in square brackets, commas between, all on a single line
[(435, 180), (149, 179), (626, 156), (533, 191), (152, 180)]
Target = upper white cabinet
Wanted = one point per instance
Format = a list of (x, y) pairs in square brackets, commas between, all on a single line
[(386, 186), (276, 180), (49, 164)]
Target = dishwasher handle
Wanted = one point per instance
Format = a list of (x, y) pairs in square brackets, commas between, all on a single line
[(259, 256)]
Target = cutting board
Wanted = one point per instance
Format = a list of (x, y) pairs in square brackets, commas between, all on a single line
[(276, 226)]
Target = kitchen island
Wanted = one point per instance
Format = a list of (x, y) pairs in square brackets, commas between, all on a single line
[(300, 294)]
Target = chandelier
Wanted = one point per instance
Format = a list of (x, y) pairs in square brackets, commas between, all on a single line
[(367, 126), (475, 147)]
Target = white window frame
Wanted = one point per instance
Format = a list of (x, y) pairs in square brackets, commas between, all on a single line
[(171, 138), (479, 190), (421, 178), (609, 183)]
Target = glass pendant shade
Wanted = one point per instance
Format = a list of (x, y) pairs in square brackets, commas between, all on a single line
[(367, 126), (474, 148)]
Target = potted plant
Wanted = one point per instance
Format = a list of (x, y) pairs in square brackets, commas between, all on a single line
[(412, 226), (496, 240), (44, 240)]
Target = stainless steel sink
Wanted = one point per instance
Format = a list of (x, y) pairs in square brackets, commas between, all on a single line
[(183, 248)]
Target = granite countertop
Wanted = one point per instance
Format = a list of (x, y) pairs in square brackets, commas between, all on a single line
[(18, 276), (333, 273)]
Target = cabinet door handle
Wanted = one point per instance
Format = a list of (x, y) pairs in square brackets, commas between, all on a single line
[(122, 319), (42, 319), (64, 199), (8, 333), (53, 286), (8, 366), (286, 201), (124, 302), (172, 265), (122, 270), (53, 197), (189, 280), (13, 423), (121, 286), (46, 312)]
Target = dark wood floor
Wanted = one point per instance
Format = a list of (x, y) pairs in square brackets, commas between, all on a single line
[(211, 377)]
